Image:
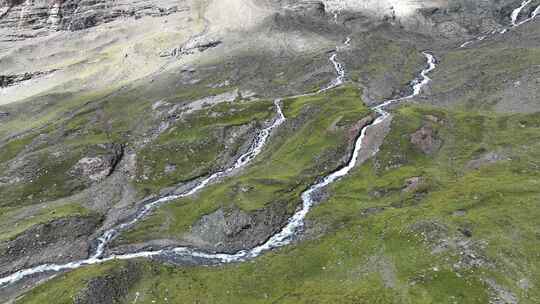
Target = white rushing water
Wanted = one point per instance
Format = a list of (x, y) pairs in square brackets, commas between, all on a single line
[(242, 161), (282, 238), (515, 13), (417, 84), (296, 222), (109, 235), (340, 71), (533, 15), (514, 16)]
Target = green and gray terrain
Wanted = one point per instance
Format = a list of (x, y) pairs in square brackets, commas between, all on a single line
[(258, 151)]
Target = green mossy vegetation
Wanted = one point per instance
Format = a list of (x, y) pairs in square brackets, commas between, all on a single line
[(195, 144), (309, 145), (51, 181), (71, 287), (378, 256), (69, 127), (14, 147), (50, 151), (11, 225), (50, 176)]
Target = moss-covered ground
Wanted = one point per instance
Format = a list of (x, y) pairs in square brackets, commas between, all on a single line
[(195, 145), (372, 250), (11, 225), (316, 136)]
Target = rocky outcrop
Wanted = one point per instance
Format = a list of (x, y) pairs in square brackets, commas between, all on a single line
[(425, 140), (486, 159), (500, 294), (470, 252), (109, 288), (232, 229), (447, 18), (198, 46), (9, 80), (455, 18), (32, 18), (442, 18), (61, 240), (312, 8), (99, 163), (413, 184)]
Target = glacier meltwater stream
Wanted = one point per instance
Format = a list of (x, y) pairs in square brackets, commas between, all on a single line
[(284, 237), (514, 19), (295, 223)]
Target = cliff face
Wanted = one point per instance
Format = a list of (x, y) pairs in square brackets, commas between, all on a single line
[(462, 17), (447, 18), (129, 38), (22, 19)]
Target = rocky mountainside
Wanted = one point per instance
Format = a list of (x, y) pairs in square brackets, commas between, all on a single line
[(261, 151), (27, 19)]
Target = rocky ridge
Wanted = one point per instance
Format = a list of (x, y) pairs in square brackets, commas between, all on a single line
[(233, 226), (10, 80), (25, 19)]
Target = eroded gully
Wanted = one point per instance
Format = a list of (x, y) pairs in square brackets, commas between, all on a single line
[(283, 237)]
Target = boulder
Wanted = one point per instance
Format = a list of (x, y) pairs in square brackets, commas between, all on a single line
[(425, 140), (111, 287), (232, 229), (99, 163), (413, 184)]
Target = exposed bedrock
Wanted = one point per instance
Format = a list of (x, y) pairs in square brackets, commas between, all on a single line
[(426, 140), (21, 19), (9, 80), (59, 241), (111, 287), (97, 165), (439, 18), (51, 15), (231, 229)]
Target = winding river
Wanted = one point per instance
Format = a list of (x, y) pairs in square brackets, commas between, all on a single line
[(282, 238), (102, 241), (286, 235)]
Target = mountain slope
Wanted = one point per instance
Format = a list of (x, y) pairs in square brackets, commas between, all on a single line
[(176, 135)]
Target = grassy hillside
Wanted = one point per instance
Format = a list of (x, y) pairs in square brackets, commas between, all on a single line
[(315, 140), (465, 233)]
